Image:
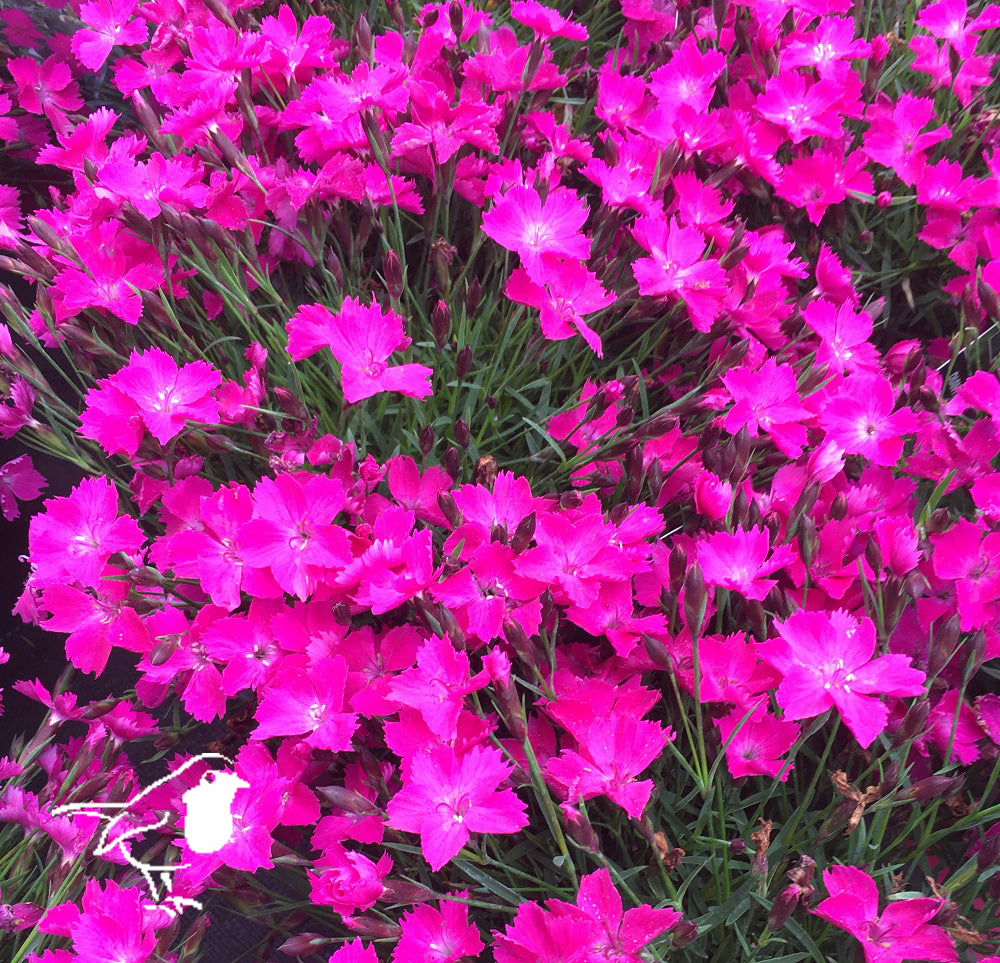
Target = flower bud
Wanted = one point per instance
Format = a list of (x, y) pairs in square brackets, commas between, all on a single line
[(695, 600), (304, 944), (519, 641), (426, 440), (392, 272), (449, 508), (783, 907), (441, 323), (453, 463), (462, 434), (677, 567), (683, 933), (569, 501), (938, 522), (523, 534), (400, 892), (933, 787), (347, 799), (657, 652), (656, 427), (838, 508), (633, 473), (713, 497), (914, 724), (473, 297), (580, 829), (463, 363), (944, 645), (361, 40)]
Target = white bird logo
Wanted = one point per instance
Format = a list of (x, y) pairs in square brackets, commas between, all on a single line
[(208, 824)]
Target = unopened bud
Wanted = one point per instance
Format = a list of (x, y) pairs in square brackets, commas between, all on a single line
[(914, 724), (441, 323), (695, 600), (453, 463), (657, 652), (462, 434), (473, 297), (426, 440), (455, 18), (683, 933), (519, 641), (633, 473), (97, 709), (304, 944), (944, 645), (400, 892), (938, 522), (783, 907), (580, 830), (392, 272), (933, 787), (463, 363), (449, 508), (362, 39), (163, 650), (677, 567), (523, 534), (838, 508)]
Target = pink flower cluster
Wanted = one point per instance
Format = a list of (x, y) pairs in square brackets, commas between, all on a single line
[(449, 653)]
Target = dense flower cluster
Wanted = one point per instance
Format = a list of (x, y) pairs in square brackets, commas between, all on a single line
[(765, 528)]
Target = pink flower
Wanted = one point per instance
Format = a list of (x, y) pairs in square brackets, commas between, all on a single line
[(592, 931), (970, 556), (502, 69), (545, 21), (677, 266), (859, 417), (767, 398), (169, 397), (112, 25), (823, 178), (348, 882), (803, 111), (826, 661), (447, 798), (712, 496), (44, 86), (613, 750), (437, 686), (739, 561), (94, 623), (361, 339), (755, 745), (437, 935), (76, 535), (19, 481), (292, 532), (562, 292), (111, 923), (900, 932), (355, 952), (894, 137), (308, 704), (539, 231), (843, 335)]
